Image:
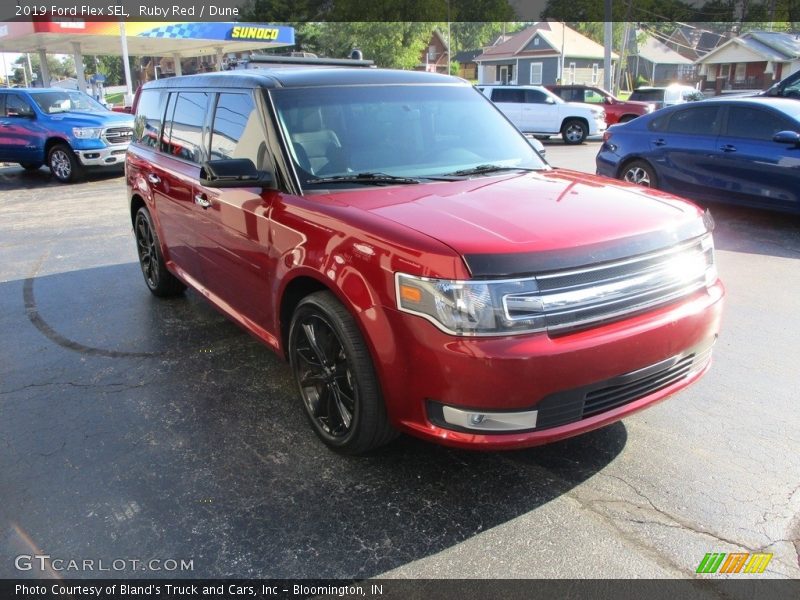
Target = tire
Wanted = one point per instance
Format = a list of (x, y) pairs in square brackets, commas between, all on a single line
[(336, 378), (574, 131), (34, 166), (64, 164), (640, 173), (159, 280)]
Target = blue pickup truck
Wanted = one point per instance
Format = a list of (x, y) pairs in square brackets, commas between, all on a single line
[(64, 129)]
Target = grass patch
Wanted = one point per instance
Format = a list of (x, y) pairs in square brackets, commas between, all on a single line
[(115, 98)]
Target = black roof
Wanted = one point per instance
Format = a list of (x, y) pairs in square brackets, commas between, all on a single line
[(301, 77)]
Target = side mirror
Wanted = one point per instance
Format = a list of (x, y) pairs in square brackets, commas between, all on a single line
[(607, 100), (233, 173), (787, 137), (549, 100)]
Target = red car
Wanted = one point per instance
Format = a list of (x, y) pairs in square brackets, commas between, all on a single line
[(617, 111), (420, 266)]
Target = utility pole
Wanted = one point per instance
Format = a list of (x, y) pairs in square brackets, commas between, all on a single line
[(608, 39)]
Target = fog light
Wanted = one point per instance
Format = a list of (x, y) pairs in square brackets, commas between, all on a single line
[(490, 422)]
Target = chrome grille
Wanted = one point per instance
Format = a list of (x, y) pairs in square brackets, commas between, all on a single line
[(580, 298), (118, 135)]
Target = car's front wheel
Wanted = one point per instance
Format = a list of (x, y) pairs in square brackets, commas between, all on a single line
[(158, 279), (574, 131), (64, 164), (335, 376), (640, 173)]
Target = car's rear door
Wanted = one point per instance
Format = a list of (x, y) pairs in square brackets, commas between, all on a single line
[(172, 177), (509, 100), (683, 150), (751, 167)]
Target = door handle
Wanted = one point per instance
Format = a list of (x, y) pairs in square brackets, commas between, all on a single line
[(154, 179), (728, 148), (202, 201), (660, 142)]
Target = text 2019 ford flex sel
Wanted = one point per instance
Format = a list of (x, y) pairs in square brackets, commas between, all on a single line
[(421, 267)]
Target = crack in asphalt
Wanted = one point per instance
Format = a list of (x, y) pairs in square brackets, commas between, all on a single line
[(121, 387)]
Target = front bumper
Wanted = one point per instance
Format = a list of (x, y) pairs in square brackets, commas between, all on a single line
[(107, 156), (430, 369)]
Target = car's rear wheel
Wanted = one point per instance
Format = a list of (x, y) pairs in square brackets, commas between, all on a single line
[(640, 173), (335, 376), (574, 131), (31, 166), (158, 279), (64, 164)]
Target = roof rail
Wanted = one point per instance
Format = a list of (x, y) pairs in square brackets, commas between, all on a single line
[(259, 61)]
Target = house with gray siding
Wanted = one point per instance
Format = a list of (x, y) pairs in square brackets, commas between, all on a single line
[(534, 57)]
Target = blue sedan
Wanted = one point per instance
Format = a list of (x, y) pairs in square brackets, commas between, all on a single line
[(734, 150)]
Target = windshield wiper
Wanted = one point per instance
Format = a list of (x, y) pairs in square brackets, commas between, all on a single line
[(481, 169), (365, 178)]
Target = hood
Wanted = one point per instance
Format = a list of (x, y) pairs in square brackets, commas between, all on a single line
[(536, 222), (93, 119)]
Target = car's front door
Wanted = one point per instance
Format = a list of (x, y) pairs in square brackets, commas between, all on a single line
[(683, 151), (235, 222), (21, 137), (754, 169)]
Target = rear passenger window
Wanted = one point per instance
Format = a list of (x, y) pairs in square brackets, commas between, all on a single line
[(698, 120), (186, 133), (754, 123), (535, 97), (147, 125), (237, 132), (508, 95)]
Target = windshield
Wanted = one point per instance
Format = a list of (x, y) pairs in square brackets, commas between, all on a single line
[(400, 131), (57, 102), (647, 95)]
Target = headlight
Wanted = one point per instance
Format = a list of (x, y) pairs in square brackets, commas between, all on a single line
[(472, 307), (87, 132)]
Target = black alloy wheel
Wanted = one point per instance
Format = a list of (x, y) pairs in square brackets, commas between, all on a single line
[(335, 376), (158, 279)]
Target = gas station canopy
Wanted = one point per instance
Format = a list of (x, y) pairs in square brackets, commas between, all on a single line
[(143, 39), (184, 39)]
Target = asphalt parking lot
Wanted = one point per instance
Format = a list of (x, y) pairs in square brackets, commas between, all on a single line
[(135, 428)]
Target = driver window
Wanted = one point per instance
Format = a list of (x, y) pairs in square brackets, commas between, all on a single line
[(17, 106), (592, 97)]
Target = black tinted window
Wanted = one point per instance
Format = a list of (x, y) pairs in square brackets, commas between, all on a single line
[(16, 105), (237, 132), (186, 133), (535, 97), (647, 95), (700, 120), (754, 123), (508, 95), (147, 125)]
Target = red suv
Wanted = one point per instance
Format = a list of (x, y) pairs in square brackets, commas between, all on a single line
[(617, 111), (420, 266)]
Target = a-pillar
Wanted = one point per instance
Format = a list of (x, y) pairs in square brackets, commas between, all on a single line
[(76, 52), (43, 66), (178, 67)]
